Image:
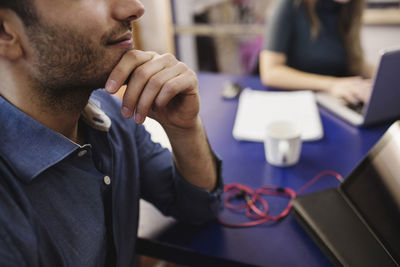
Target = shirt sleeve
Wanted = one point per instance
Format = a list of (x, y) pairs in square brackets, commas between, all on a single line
[(163, 186), (279, 27)]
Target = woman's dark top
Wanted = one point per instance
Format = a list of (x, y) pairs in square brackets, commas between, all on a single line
[(289, 32)]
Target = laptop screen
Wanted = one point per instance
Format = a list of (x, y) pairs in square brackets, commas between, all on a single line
[(383, 104), (374, 190)]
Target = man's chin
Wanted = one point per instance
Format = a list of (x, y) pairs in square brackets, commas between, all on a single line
[(98, 82)]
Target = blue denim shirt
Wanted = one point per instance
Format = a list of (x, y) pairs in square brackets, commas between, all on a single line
[(62, 204)]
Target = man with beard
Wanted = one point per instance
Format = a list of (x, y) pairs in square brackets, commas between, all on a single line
[(73, 164)]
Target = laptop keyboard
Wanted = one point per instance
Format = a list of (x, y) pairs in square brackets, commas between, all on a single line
[(356, 107)]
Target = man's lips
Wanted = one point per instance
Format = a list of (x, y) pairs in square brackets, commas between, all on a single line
[(126, 38)]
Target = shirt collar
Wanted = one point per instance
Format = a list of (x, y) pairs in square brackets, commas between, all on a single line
[(30, 147)]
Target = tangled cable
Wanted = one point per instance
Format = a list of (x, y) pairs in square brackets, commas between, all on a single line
[(254, 197)]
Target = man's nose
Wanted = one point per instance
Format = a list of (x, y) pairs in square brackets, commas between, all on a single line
[(127, 10)]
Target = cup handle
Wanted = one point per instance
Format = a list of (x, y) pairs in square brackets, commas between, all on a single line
[(283, 149)]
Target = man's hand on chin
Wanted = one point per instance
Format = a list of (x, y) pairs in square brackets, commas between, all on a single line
[(158, 86), (161, 87)]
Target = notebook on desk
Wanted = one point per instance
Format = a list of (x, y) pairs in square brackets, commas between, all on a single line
[(358, 223), (258, 108), (383, 104)]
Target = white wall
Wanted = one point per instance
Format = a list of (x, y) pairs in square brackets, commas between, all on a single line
[(156, 32), (375, 38)]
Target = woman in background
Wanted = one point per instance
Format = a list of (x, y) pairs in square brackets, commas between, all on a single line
[(315, 45)]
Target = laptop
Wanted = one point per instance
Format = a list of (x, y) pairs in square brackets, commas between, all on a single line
[(383, 104), (358, 223)]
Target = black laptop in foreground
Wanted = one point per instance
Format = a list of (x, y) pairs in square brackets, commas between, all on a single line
[(358, 223)]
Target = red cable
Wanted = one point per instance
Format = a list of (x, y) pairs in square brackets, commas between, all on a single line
[(317, 177), (253, 196)]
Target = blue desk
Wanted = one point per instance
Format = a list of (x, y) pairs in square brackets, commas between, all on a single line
[(282, 243)]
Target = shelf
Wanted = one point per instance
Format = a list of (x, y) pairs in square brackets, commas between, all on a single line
[(372, 16), (382, 16), (220, 29)]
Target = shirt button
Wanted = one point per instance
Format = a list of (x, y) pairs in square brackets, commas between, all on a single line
[(82, 153), (107, 180)]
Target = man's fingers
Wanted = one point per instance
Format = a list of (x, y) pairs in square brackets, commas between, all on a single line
[(154, 80), (121, 72), (183, 83), (139, 79), (136, 84), (153, 87)]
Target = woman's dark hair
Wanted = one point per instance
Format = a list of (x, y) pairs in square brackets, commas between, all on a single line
[(350, 22), (25, 9)]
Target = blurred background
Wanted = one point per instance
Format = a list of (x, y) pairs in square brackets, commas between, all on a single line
[(227, 35)]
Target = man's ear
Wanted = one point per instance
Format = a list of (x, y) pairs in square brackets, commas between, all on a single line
[(10, 41)]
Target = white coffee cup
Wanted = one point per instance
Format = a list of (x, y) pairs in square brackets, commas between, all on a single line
[(282, 143)]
